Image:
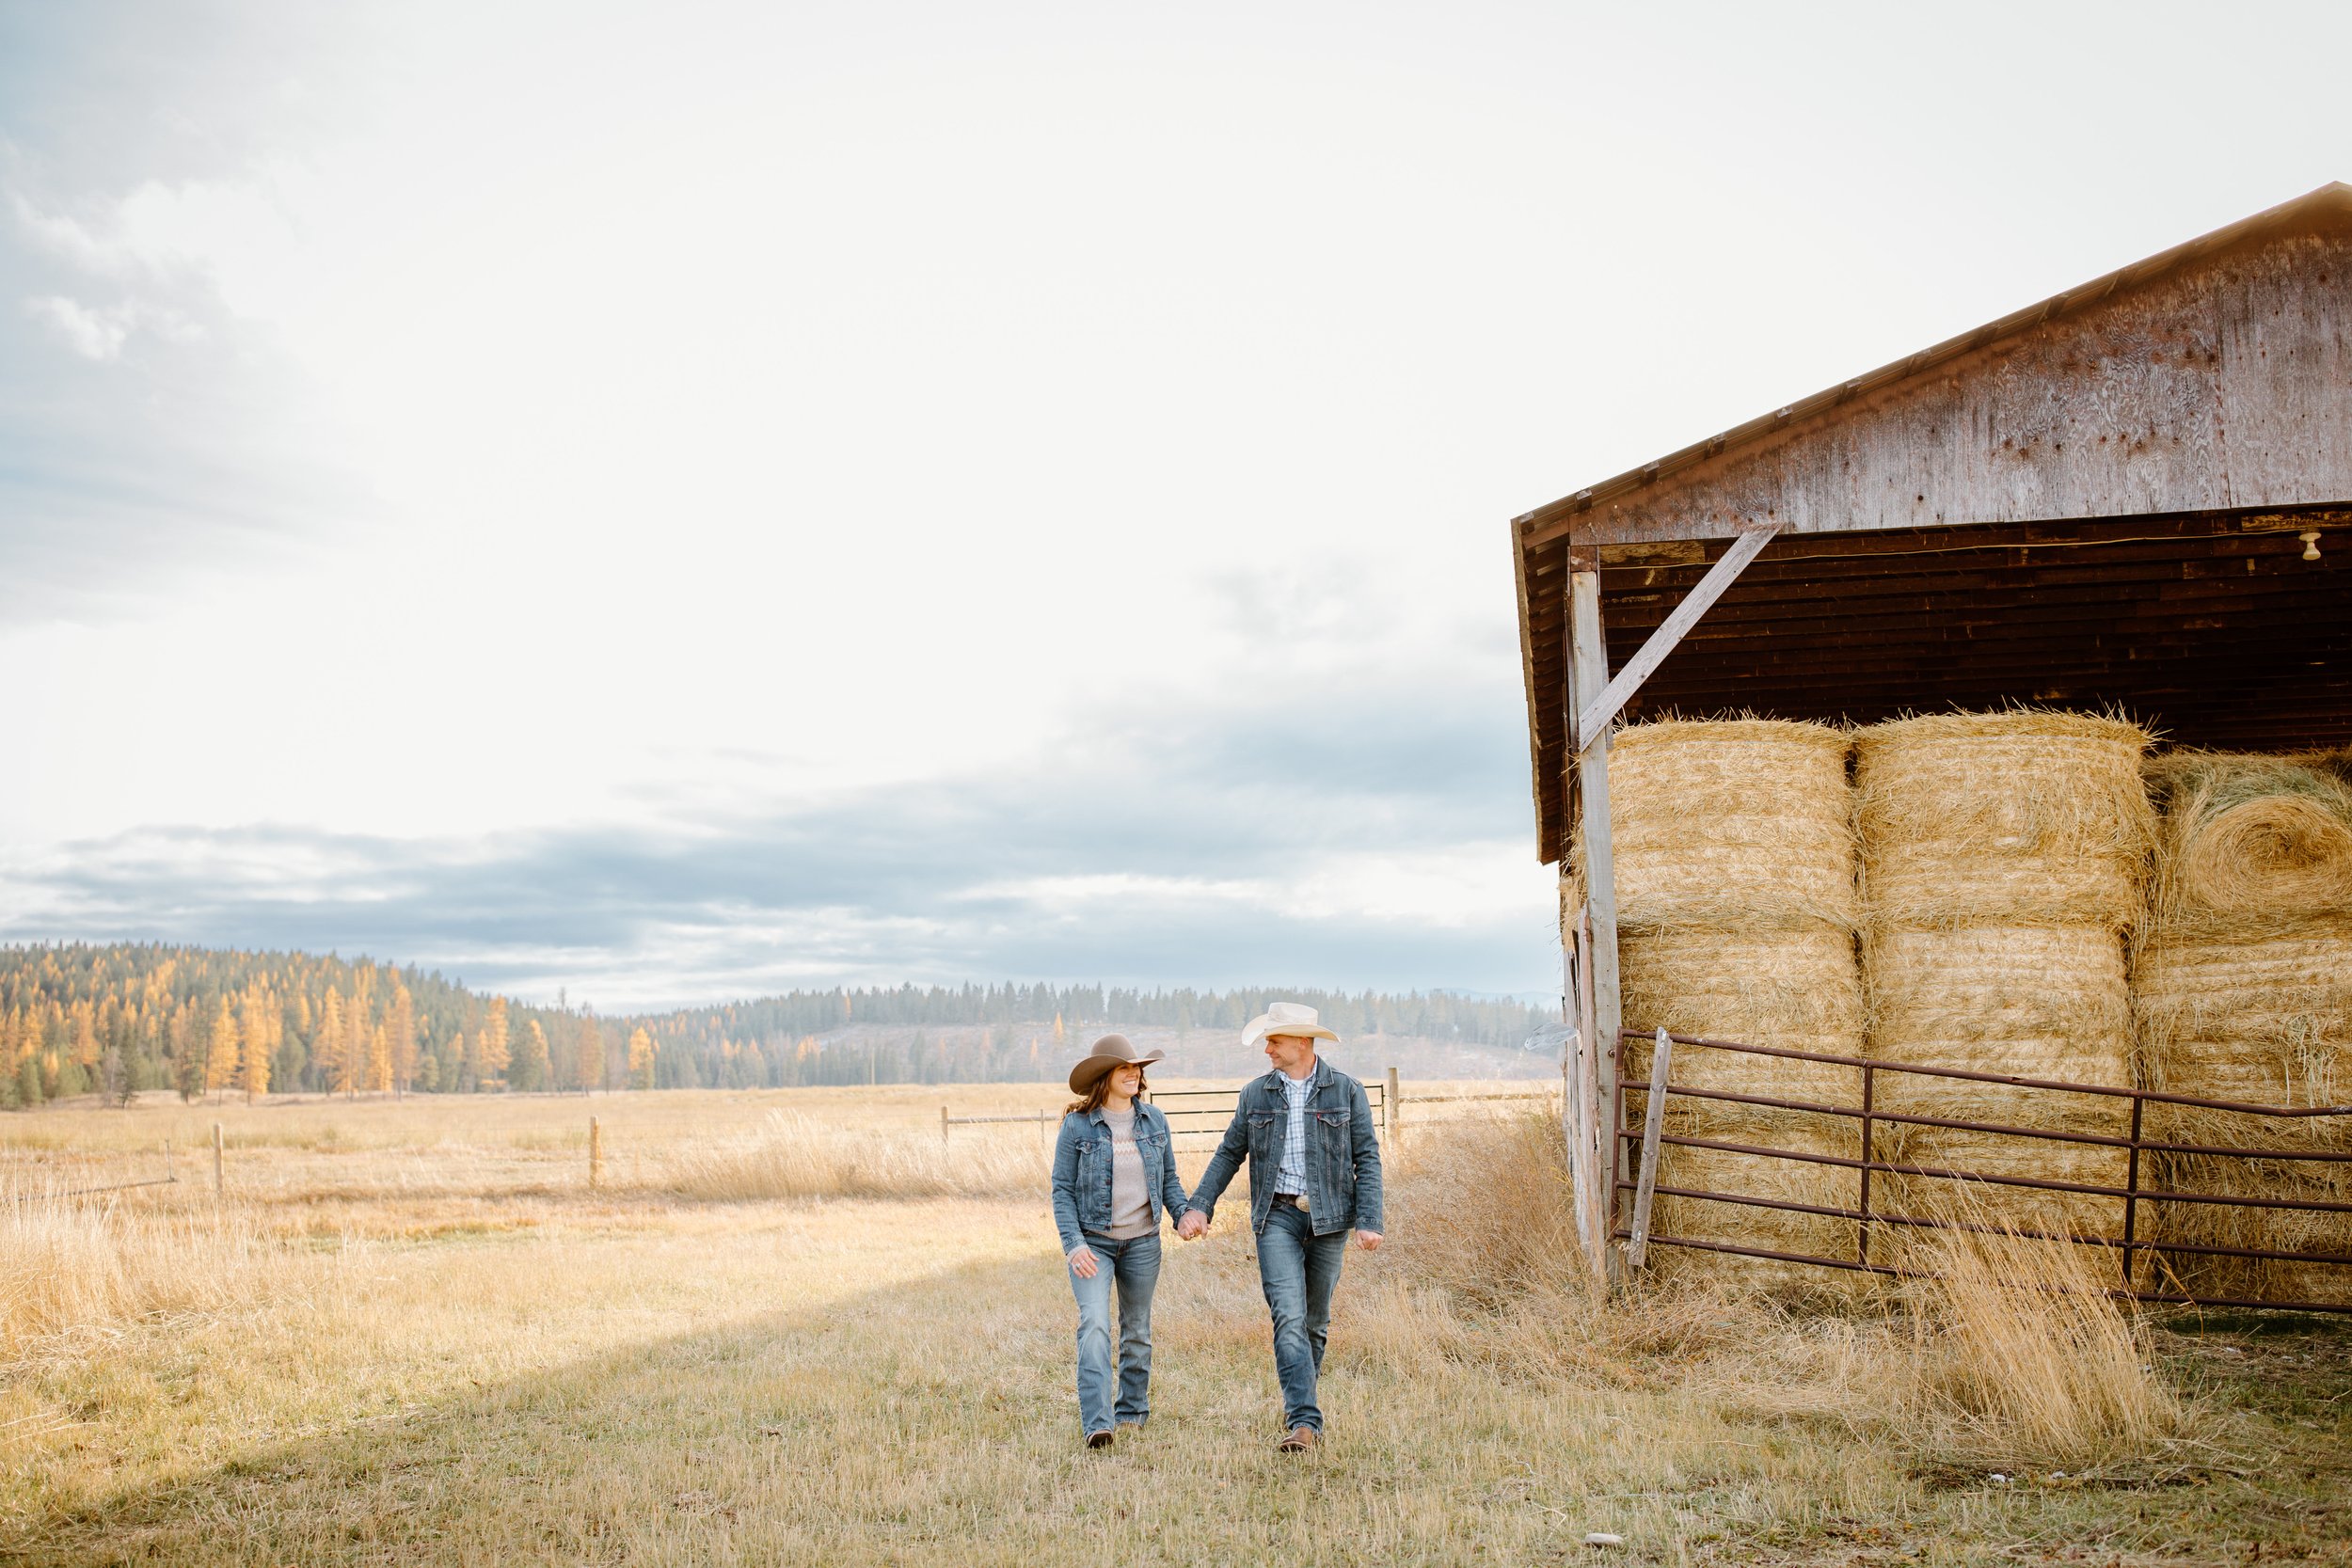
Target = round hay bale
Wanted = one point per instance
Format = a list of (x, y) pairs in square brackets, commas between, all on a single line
[(2002, 818), (1735, 825), (2026, 1001), (2242, 982), (2248, 846), (1790, 988)]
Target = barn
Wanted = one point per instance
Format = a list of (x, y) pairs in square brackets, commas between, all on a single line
[(2132, 497)]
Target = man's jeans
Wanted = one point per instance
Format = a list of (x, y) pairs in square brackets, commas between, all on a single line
[(1298, 1270), (1135, 1265)]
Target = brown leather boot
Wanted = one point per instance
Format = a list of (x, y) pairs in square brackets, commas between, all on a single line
[(1299, 1441), (1098, 1439)]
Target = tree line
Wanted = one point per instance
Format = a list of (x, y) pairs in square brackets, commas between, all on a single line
[(119, 1018)]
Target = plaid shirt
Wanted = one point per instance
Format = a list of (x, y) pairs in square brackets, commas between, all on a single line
[(1292, 1175)]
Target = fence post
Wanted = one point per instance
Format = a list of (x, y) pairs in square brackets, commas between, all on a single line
[(219, 1185), (1861, 1234), (943, 1124), (595, 1153), (2131, 1191), (1653, 1128), (1391, 1112)]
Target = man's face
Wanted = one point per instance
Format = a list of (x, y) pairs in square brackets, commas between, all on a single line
[(1290, 1054)]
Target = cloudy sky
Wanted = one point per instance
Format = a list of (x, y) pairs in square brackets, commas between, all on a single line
[(682, 500)]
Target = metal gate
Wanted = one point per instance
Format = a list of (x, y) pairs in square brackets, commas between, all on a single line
[(1631, 1191)]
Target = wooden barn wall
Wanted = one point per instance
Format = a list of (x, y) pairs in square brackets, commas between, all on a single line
[(2224, 383)]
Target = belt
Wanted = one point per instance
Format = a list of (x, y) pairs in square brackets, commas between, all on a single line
[(1294, 1200)]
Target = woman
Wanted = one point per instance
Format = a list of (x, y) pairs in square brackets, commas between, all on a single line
[(1114, 1182)]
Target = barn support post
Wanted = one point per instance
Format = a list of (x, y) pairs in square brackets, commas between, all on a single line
[(1589, 661)]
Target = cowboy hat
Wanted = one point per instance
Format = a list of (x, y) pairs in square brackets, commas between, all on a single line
[(1109, 1052), (1284, 1018)]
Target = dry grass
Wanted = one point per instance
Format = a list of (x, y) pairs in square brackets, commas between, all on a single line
[(69, 1264), (636, 1376), (797, 1156)]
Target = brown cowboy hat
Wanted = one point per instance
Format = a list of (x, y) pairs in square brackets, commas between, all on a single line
[(1109, 1052)]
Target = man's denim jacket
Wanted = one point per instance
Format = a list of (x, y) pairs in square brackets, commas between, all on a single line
[(1082, 1173), (1342, 1152)]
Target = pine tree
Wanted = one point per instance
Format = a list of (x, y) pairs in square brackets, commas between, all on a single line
[(640, 1059)]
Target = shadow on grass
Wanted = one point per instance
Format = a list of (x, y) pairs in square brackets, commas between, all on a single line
[(930, 1419)]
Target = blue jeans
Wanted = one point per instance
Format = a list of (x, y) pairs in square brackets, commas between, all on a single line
[(1135, 1264), (1298, 1270)]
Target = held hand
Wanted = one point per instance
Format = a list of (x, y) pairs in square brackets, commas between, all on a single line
[(1082, 1262), (1368, 1240), (1192, 1225)]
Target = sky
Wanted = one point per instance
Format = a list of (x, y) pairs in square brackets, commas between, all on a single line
[(681, 502)]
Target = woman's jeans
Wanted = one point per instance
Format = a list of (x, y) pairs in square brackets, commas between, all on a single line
[(1135, 1264), (1298, 1270)]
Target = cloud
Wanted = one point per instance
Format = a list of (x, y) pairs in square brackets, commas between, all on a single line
[(1368, 844)]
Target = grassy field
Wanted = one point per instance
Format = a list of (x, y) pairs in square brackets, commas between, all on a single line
[(792, 1327)]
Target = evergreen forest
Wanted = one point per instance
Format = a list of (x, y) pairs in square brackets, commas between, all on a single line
[(121, 1019)]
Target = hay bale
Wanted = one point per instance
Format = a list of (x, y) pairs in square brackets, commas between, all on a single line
[(2027, 1001), (2004, 856), (2002, 818), (1731, 825), (1792, 988), (2243, 983)]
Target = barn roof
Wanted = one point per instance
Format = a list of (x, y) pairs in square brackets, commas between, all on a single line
[(2096, 500)]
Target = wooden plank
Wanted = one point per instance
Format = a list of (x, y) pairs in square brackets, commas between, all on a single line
[(1593, 1172), (1590, 657), (1597, 715), (1653, 1125), (2114, 405)]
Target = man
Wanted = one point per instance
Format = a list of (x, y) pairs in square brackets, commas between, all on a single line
[(1314, 1175)]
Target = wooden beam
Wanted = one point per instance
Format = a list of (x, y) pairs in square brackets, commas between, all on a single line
[(1596, 713), (1589, 673), (1653, 1127)]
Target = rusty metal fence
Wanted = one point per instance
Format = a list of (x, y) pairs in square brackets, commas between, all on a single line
[(1646, 1141)]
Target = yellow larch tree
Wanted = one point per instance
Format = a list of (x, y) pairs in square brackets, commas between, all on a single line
[(589, 1059), (328, 1043), (379, 1073), (261, 1038), (220, 1057), (400, 1029), (497, 1055), (640, 1059)]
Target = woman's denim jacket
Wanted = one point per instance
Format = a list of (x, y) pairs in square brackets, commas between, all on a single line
[(1082, 1173), (1342, 1152)]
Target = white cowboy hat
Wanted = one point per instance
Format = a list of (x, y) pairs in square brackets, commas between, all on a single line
[(1284, 1018)]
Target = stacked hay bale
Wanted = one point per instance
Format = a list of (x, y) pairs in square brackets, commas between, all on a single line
[(2004, 861), (2243, 979), (1736, 915)]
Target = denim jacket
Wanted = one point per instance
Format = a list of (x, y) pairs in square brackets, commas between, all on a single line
[(1082, 1172), (1343, 1157)]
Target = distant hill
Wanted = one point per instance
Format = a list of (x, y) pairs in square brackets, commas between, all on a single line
[(119, 1018)]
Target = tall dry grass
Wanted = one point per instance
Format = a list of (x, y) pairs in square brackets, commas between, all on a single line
[(2010, 1351), (793, 1156), (69, 1264), (2016, 1351)]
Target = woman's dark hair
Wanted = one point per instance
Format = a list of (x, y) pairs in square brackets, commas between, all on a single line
[(1092, 1099)]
